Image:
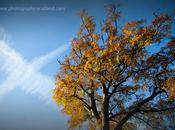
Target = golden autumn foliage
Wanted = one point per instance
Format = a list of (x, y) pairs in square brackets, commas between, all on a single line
[(110, 80)]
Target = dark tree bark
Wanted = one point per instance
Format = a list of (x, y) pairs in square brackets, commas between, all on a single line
[(106, 115)]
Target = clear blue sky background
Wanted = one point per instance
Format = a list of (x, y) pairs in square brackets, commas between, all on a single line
[(36, 33)]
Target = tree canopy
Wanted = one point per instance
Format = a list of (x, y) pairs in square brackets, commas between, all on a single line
[(112, 80)]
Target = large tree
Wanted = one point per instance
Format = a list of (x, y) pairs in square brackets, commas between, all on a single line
[(113, 78)]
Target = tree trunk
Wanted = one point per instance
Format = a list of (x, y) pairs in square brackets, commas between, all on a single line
[(106, 115)]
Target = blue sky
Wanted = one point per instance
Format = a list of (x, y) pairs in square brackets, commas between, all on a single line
[(30, 44)]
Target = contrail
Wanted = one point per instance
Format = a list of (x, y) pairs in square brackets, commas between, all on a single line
[(18, 72)]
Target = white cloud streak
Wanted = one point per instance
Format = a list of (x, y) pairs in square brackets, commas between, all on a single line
[(41, 61), (21, 73)]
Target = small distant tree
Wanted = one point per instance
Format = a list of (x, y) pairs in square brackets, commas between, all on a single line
[(113, 78)]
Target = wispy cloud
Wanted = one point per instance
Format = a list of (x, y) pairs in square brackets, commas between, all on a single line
[(40, 62), (18, 72)]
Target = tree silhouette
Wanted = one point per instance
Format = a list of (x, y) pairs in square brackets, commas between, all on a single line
[(111, 79)]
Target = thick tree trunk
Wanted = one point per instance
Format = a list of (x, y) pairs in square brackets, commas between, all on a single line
[(106, 115)]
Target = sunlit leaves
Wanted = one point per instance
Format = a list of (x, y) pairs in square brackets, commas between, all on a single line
[(111, 65), (171, 86)]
